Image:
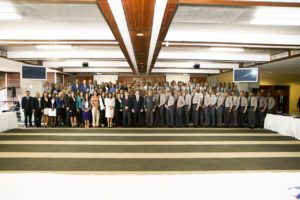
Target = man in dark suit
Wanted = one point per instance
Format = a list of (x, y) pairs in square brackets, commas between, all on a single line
[(76, 86), (84, 86), (27, 108), (127, 106), (37, 107), (67, 105), (298, 104), (137, 109)]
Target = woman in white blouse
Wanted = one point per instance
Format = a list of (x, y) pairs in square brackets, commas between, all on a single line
[(109, 109)]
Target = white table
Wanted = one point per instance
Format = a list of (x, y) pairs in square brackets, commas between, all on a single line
[(285, 125), (8, 121)]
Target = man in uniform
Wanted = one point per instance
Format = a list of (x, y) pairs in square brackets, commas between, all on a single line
[(235, 109), (170, 101), (161, 107), (187, 106), (220, 108), (228, 109), (262, 102), (195, 100), (243, 108), (206, 108), (212, 107), (270, 103), (252, 110), (179, 108), (149, 105)]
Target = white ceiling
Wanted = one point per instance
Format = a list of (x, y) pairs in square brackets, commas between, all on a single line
[(286, 67), (57, 21), (228, 24)]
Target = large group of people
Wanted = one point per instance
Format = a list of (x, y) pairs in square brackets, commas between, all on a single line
[(153, 104)]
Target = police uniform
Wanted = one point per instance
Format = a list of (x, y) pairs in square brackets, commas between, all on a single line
[(252, 111), (243, 110), (170, 111), (220, 109), (235, 110), (228, 109), (212, 107), (179, 107)]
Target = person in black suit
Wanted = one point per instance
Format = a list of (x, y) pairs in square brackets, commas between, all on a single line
[(45, 103), (127, 106), (37, 109), (67, 103), (118, 111), (73, 110), (76, 86), (137, 109), (298, 104), (27, 108)]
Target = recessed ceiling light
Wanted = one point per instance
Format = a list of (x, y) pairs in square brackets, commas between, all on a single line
[(167, 44), (9, 16), (53, 46), (226, 49), (140, 34)]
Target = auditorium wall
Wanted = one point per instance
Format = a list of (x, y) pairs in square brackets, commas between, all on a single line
[(271, 79)]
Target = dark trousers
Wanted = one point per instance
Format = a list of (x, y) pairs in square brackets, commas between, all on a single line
[(186, 116), (170, 116), (195, 114), (242, 116), (227, 117), (79, 117), (28, 118), (126, 118), (220, 115), (262, 116), (201, 116), (235, 116), (251, 117), (149, 117), (156, 117), (207, 116), (37, 118), (137, 118), (162, 115), (213, 115), (68, 115), (179, 112)]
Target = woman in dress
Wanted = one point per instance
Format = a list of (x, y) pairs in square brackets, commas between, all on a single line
[(102, 109), (45, 103), (86, 111), (79, 100), (109, 109), (60, 105), (73, 110), (52, 111)]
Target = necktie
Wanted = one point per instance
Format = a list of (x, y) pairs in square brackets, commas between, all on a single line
[(193, 98)]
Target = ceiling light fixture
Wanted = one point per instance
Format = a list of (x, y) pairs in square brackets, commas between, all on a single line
[(226, 49), (140, 34), (167, 44), (53, 47), (283, 16), (9, 16)]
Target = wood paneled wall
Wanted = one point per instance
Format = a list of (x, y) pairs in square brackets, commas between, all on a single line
[(142, 79), (198, 79), (2, 80), (13, 80)]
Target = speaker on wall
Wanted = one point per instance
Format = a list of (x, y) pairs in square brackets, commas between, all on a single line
[(196, 66), (85, 64)]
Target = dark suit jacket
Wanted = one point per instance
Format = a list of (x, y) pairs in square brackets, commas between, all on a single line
[(129, 102), (74, 88), (118, 106), (44, 103), (35, 104), (138, 105), (298, 104), (27, 104), (67, 101), (83, 88)]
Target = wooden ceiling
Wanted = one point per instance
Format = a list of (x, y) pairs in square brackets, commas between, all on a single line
[(139, 15)]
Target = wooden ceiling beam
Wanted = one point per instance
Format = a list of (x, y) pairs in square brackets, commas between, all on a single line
[(56, 1), (239, 3), (167, 19), (139, 16), (108, 15)]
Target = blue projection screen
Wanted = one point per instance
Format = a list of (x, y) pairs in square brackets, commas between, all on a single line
[(245, 75), (36, 73)]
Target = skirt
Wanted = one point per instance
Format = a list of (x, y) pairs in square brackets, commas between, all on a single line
[(73, 113), (86, 116)]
